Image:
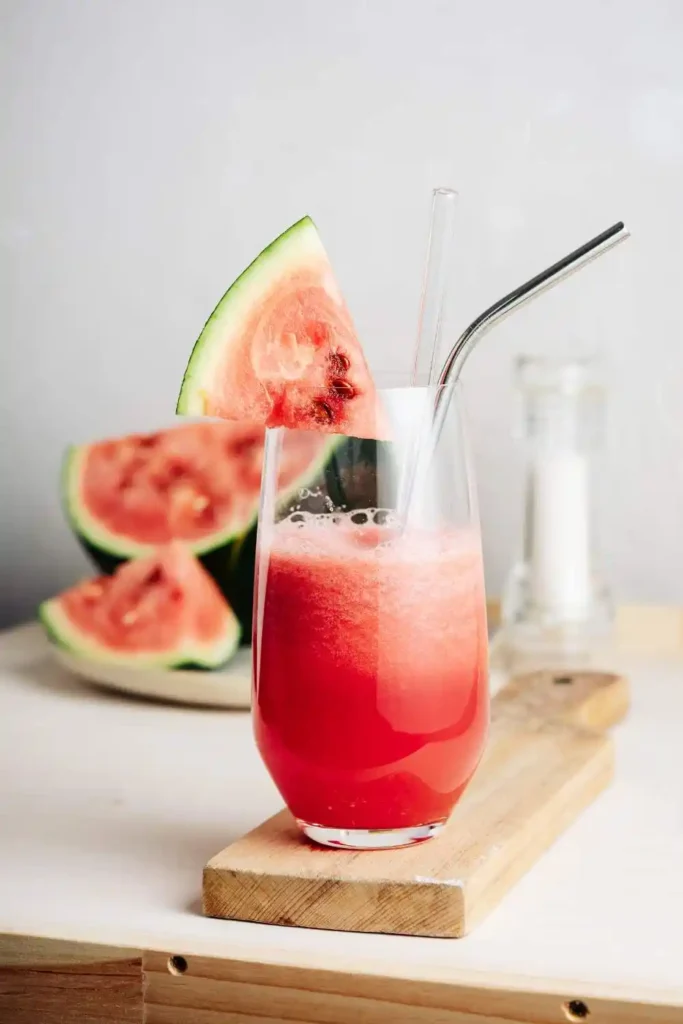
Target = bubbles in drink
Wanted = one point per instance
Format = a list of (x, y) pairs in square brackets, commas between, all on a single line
[(372, 533)]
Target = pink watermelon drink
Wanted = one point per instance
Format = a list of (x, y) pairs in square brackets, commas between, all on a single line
[(371, 675)]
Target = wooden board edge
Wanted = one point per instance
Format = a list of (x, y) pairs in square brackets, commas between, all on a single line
[(52, 981), (649, 629), (638, 628), (221, 885), (18, 950), (484, 997), (193, 990)]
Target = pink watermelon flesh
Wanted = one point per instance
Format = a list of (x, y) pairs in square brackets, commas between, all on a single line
[(152, 604), (289, 357), (187, 483), (313, 376)]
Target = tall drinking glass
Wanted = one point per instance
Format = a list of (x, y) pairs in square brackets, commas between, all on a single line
[(370, 640)]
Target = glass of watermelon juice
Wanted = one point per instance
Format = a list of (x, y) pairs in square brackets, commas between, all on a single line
[(370, 638)]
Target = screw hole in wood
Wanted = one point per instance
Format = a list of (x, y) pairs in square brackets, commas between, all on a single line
[(563, 680), (178, 965), (575, 1010)]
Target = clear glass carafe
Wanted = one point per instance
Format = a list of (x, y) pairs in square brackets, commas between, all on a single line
[(556, 608)]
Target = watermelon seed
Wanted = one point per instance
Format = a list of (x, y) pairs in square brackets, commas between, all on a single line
[(342, 388), (149, 440), (322, 412), (245, 445), (339, 362)]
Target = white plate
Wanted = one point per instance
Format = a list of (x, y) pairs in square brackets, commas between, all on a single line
[(228, 688)]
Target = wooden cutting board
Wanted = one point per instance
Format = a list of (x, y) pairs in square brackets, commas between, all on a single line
[(548, 757)]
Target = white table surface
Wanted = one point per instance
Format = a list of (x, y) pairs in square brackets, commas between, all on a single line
[(110, 806)]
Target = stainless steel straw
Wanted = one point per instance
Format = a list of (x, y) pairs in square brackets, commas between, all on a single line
[(574, 261), (453, 365)]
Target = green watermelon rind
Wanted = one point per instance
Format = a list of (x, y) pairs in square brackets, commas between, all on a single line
[(62, 632), (96, 536), (297, 246)]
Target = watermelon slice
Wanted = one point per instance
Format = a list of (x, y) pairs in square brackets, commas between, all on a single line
[(280, 348), (162, 610), (198, 483)]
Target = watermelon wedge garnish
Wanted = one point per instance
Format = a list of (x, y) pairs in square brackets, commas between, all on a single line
[(163, 610), (280, 348)]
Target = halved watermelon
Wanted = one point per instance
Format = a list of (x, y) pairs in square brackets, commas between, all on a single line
[(280, 348), (162, 610), (198, 483)]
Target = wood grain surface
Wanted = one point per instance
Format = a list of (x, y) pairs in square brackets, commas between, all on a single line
[(213, 991), (547, 758), (46, 981), (54, 982)]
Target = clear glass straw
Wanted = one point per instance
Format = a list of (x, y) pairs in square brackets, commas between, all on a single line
[(435, 283)]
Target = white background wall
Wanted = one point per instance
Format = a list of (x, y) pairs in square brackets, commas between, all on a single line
[(149, 148)]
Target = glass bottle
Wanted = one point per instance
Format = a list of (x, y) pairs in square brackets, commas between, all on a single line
[(555, 609)]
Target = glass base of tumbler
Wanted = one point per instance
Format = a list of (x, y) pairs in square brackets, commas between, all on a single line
[(370, 839)]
